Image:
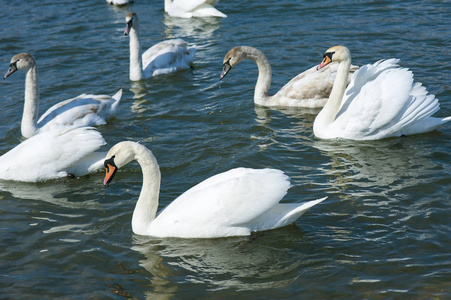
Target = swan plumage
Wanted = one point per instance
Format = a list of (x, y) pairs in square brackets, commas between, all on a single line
[(233, 203), (309, 89), (119, 2), (382, 100), (163, 58), (54, 154), (83, 110), (192, 8)]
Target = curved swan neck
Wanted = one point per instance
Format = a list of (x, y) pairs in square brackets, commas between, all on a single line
[(264, 75), (136, 65), (31, 105), (167, 5), (327, 115), (147, 205)]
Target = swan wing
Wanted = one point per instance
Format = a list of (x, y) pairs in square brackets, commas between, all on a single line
[(381, 101), (191, 5), (50, 155), (194, 8), (167, 57), (119, 2), (83, 110), (312, 87), (223, 204)]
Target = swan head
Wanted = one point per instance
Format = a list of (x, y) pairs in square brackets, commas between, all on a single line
[(20, 61), (131, 20), (119, 155), (335, 54), (232, 58)]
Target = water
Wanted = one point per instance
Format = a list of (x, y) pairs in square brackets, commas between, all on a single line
[(382, 233)]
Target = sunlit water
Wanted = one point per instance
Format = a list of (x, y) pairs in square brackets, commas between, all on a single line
[(382, 233)]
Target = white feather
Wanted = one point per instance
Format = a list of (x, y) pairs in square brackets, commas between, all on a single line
[(382, 100), (53, 154), (233, 203), (193, 8)]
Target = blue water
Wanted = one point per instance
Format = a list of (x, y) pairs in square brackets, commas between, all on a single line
[(383, 232)]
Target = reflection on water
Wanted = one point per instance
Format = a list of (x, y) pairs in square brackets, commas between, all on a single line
[(377, 167), (138, 88), (48, 192), (195, 28), (263, 261)]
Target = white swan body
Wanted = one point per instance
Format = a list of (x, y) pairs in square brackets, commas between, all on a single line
[(192, 8), (119, 2), (163, 58), (233, 203), (53, 154), (309, 89), (381, 101), (83, 110)]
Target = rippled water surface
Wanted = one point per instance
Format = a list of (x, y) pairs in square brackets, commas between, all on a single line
[(383, 232)]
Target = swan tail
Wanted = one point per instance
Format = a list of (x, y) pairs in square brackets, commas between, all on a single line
[(282, 214), (296, 213), (116, 97), (207, 10), (417, 117)]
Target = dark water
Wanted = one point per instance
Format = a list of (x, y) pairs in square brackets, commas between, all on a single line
[(383, 233)]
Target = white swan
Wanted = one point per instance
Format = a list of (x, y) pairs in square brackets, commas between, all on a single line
[(54, 154), (83, 110), (163, 58), (192, 8), (119, 2), (233, 203), (308, 89), (381, 101)]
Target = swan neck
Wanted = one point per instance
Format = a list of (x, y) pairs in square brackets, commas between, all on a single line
[(31, 104), (167, 5), (147, 205), (136, 65), (327, 115), (263, 84)]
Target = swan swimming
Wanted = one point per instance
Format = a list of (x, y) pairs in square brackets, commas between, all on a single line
[(309, 89), (83, 110), (163, 58), (233, 203), (382, 100)]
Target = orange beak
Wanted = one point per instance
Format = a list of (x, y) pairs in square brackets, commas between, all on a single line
[(325, 62), (110, 172)]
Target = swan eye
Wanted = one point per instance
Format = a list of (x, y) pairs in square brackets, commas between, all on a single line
[(226, 67), (329, 55), (109, 162), (14, 64)]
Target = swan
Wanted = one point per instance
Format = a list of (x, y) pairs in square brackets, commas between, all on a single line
[(381, 101), (83, 110), (54, 154), (192, 8), (119, 2), (233, 203), (309, 89), (163, 58)]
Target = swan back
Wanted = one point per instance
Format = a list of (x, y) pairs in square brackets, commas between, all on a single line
[(83, 110), (193, 8), (168, 57), (53, 154), (222, 205)]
